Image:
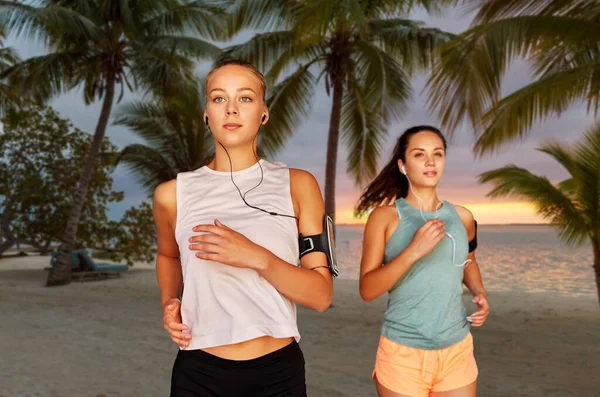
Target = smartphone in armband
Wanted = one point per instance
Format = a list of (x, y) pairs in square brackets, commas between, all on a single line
[(324, 242)]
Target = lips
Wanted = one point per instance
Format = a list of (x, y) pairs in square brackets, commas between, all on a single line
[(231, 126), (430, 174)]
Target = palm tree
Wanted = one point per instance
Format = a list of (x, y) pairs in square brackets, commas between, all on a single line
[(175, 136), (572, 206), (366, 51), (8, 57), (99, 45), (559, 38)]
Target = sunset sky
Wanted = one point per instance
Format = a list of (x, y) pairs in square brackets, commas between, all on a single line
[(307, 148)]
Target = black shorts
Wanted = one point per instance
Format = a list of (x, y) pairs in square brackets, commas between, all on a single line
[(277, 374)]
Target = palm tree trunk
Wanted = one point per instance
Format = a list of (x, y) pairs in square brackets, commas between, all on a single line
[(596, 247), (60, 273), (332, 146), (9, 238)]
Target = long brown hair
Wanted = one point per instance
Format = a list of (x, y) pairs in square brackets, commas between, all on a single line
[(391, 184)]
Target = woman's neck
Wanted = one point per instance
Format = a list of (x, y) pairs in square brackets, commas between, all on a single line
[(429, 199), (241, 158)]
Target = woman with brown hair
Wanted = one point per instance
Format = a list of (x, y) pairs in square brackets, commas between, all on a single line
[(420, 250)]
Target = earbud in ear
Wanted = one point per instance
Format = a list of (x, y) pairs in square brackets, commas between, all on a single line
[(264, 117), (403, 170)]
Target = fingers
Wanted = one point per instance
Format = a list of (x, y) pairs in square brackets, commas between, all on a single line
[(209, 256), (219, 224), (477, 320), (431, 224), (205, 247), (481, 302), (206, 238), (220, 231), (483, 310), (173, 325), (218, 228), (438, 231), (181, 338)]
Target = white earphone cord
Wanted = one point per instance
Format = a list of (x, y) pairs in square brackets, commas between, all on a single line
[(465, 263)]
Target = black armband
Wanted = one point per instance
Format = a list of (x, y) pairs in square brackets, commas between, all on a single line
[(323, 242), (473, 243)]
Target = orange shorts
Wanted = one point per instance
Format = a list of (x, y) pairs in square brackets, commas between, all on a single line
[(417, 372)]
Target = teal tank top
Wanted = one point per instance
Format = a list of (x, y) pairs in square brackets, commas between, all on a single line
[(425, 308)]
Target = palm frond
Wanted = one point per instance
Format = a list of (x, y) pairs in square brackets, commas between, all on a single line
[(562, 154), (289, 104), (41, 78), (8, 98), (173, 128), (549, 201), (207, 18), (163, 72), (148, 165), (8, 57), (587, 154), (386, 84), (318, 17), (409, 41), (262, 50), (189, 47), (514, 115), (299, 53), (490, 10), (473, 64), (264, 15), (364, 132), (146, 120), (44, 22)]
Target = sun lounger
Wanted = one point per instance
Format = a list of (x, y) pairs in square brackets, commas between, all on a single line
[(95, 270), (84, 268)]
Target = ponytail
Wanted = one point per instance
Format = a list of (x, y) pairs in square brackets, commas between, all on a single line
[(388, 186)]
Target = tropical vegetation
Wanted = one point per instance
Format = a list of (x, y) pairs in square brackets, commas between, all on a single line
[(365, 51), (558, 38), (102, 46), (572, 205)]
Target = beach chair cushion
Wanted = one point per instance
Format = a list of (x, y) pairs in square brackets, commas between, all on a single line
[(89, 263)]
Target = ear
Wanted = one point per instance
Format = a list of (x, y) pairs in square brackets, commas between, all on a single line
[(401, 167), (265, 117), (205, 118)]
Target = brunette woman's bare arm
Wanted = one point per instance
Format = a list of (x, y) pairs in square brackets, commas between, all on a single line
[(472, 275)]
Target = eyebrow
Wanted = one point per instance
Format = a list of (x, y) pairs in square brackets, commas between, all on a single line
[(421, 149), (238, 90)]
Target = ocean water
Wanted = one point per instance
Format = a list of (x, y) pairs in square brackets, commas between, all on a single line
[(511, 258)]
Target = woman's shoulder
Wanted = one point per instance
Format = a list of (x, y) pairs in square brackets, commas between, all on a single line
[(384, 216), (301, 176), (465, 215), (467, 219), (303, 184), (165, 194)]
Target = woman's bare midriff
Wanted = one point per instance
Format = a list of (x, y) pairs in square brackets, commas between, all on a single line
[(249, 349)]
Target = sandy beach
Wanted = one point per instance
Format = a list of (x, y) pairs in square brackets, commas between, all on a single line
[(105, 338)]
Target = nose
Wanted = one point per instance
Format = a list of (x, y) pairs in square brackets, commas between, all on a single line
[(430, 161), (232, 111)]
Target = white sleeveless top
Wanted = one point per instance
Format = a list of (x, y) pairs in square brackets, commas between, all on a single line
[(223, 304)]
